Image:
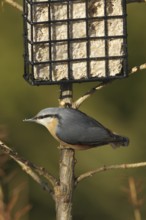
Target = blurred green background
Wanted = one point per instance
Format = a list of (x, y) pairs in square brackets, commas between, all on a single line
[(120, 106)]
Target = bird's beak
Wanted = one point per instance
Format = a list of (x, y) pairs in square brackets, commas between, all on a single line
[(29, 120)]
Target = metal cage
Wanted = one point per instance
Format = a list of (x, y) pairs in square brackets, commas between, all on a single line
[(74, 40)]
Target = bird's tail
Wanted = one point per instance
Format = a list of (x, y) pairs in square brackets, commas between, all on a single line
[(120, 141)]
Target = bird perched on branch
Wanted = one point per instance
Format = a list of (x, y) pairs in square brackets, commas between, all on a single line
[(74, 129)]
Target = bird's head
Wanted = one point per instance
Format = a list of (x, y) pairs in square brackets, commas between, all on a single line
[(45, 116)]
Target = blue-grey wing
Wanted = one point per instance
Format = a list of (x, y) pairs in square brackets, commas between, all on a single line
[(76, 127)]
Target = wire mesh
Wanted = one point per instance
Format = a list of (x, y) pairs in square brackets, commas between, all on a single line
[(74, 40)]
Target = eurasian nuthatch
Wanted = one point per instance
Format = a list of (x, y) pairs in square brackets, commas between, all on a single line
[(76, 130)]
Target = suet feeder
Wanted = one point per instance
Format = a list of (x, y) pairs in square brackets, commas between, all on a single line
[(74, 40)]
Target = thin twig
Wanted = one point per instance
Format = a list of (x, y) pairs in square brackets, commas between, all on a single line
[(28, 167), (19, 7), (110, 167), (137, 68), (136, 1), (22, 212), (79, 101), (43, 172), (14, 4), (134, 199)]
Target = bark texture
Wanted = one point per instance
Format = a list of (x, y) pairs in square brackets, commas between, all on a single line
[(63, 192)]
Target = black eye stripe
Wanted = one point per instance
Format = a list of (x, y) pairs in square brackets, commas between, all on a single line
[(46, 116)]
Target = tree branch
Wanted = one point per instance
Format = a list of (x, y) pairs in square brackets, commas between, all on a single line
[(134, 199), (110, 167), (20, 8), (28, 167), (136, 1), (137, 68), (14, 4), (79, 101), (64, 191)]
